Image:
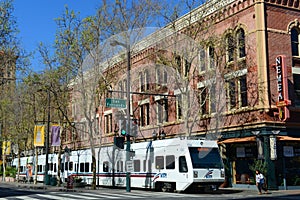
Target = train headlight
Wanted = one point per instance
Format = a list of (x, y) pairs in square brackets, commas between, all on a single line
[(195, 174)]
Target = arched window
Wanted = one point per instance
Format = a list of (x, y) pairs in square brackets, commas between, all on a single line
[(295, 41), (241, 43), (230, 46)]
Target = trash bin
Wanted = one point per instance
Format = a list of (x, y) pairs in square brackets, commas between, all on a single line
[(53, 181)]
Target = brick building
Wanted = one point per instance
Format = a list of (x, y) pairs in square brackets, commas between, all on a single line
[(251, 48)]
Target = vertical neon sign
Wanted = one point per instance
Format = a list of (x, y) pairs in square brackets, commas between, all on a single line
[(282, 89)]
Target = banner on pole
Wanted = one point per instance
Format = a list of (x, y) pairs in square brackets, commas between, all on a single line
[(6, 147), (39, 135), (55, 135)]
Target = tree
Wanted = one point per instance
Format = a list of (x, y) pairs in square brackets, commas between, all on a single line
[(12, 59)]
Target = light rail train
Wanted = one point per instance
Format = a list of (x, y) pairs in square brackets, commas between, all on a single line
[(171, 164)]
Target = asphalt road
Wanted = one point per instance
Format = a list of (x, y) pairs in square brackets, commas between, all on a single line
[(21, 191)]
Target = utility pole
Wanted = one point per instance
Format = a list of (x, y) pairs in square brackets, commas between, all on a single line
[(47, 180), (127, 47)]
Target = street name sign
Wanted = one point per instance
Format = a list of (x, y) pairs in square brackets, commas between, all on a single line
[(115, 103)]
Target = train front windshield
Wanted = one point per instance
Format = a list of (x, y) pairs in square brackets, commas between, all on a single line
[(204, 157)]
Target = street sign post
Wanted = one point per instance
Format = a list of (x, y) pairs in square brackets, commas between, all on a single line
[(115, 103), (129, 165)]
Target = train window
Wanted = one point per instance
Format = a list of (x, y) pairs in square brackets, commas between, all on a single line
[(119, 166), (136, 165), (86, 167), (159, 162), (182, 164), (62, 167), (81, 167), (70, 166), (144, 165), (66, 166), (205, 157), (105, 166), (170, 162), (40, 168), (147, 165)]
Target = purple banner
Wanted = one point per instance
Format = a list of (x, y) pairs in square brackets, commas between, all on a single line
[(55, 136)]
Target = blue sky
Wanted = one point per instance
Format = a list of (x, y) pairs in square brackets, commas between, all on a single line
[(36, 23)]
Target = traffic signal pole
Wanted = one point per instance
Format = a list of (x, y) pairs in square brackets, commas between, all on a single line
[(128, 181)]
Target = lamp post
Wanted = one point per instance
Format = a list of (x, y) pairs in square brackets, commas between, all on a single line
[(47, 181), (127, 46)]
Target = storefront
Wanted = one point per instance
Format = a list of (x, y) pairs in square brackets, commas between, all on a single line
[(279, 154)]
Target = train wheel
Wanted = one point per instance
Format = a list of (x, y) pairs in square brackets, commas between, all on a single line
[(164, 189), (167, 187)]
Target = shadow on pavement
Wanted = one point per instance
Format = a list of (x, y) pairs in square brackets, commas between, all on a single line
[(7, 192)]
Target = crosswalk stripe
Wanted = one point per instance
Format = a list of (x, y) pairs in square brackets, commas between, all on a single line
[(120, 195), (86, 195), (50, 196), (76, 196), (26, 198)]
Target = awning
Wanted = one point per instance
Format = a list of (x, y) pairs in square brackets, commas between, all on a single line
[(287, 138), (237, 140)]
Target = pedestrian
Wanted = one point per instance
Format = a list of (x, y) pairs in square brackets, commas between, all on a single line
[(260, 182)]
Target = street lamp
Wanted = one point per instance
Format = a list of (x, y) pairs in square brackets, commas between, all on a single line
[(127, 46), (47, 180)]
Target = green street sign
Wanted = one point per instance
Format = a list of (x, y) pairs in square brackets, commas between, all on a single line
[(115, 103)]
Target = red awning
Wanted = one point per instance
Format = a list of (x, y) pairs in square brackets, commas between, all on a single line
[(237, 140), (287, 138)]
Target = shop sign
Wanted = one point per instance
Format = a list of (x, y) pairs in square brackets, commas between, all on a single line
[(282, 89), (273, 148)]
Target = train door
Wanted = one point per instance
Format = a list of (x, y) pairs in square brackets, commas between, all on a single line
[(183, 171)]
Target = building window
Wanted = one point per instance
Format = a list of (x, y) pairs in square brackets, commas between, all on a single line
[(211, 57), (203, 100), (178, 63), (179, 107), (108, 123), (243, 91), (237, 94), (187, 67), (296, 78), (212, 98), (145, 110), (230, 46), (295, 41), (147, 80), (202, 60), (232, 94), (241, 43), (162, 110), (142, 84)]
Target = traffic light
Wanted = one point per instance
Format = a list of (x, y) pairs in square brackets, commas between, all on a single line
[(134, 128), (119, 142), (123, 127)]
